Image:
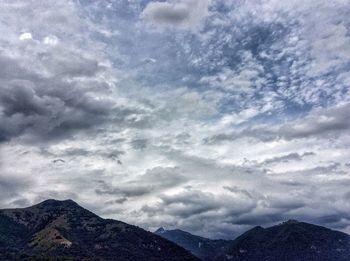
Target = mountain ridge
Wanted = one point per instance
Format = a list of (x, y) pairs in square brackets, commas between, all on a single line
[(291, 240), (204, 248), (62, 229)]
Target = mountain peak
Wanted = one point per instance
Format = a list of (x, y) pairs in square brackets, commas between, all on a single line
[(58, 205), (160, 230), (57, 202)]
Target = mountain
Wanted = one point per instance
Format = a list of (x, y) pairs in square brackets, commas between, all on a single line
[(203, 248), (62, 230), (289, 241)]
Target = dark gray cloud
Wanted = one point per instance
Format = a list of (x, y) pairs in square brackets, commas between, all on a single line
[(58, 161), (235, 189), (116, 201), (289, 157), (135, 191), (166, 13), (153, 181), (108, 153), (139, 144), (128, 190), (59, 111), (57, 92), (69, 64), (185, 14)]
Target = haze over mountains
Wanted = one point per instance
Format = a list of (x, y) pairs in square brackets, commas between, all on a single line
[(62, 230)]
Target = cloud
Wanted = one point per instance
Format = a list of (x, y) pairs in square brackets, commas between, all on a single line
[(139, 143), (190, 205), (126, 192), (289, 157), (54, 107), (319, 123), (153, 181), (241, 208), (54, 93), (235, 189), (51, 40), (176, 14), (13, 188), (70, 153), (25, 36)]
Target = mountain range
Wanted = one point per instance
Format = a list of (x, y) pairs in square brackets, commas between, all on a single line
[(289, 241), (63, 230)]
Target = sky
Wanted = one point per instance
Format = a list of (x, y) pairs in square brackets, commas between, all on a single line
[(212, 116)]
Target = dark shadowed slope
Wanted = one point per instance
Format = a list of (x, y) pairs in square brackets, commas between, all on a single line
[(290, 241), (63, 229), (204, 248)]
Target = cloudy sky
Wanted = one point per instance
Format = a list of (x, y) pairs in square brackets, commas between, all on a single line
[(211, 116)]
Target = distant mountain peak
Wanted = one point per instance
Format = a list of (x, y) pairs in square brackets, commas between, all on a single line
[(160, 230)]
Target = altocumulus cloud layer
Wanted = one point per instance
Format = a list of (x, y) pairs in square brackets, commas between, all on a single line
[(211, 116)]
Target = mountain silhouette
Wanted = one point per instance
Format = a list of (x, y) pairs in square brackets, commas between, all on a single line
[(288, 241), (204, 248), (62, 230)]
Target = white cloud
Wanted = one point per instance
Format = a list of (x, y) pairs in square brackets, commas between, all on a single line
[(240, 117), (25, 36), (51, 40)]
